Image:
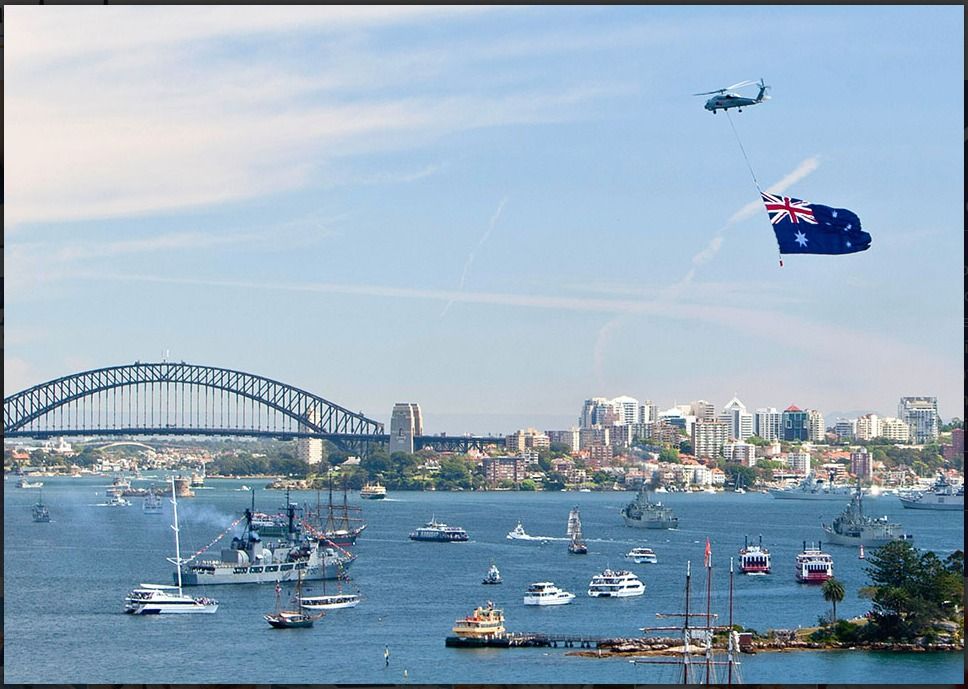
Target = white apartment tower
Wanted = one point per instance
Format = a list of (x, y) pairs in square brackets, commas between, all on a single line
[(709, 437), (921, 415), (740, 422), (627, 409), (868, 426), (309, 450), (816, 431), (405, 423)]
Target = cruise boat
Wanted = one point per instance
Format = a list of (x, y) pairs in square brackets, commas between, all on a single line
[(645, 514), (610, 584), (493, 575), (813, 565), (640, 555), (373, 491), (942, 496), (519, 534), (754, 559), (250, 560), (486, 621), (160, 599), (438, 531), (152, 504), (812, 488), (546, 593), (853, 527), (577, 545)]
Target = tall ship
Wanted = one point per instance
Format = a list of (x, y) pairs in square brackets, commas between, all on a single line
[(754, 559), (812, 488), (643, 513), (853, 527), (373, 491), (943, 495), (249, 560), (438, 531), (576, 545), (813, 566), (342, 524)]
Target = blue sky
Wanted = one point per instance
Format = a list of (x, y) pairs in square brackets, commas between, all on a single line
[(494, 212)]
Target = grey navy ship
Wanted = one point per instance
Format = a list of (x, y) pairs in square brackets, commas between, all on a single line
[(853, 527), (643, 513)]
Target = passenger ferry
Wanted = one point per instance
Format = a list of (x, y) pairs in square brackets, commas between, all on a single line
[(813, 565), (438, 531), (486, 621), (640, 555), (373, 491), (160, 599), (619, 584), (546, 593), (754, 559)]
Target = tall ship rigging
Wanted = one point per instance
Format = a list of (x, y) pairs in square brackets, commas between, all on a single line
[(577, 542), (343, 523)]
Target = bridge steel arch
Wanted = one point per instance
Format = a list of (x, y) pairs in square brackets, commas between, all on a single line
[(316, 416)]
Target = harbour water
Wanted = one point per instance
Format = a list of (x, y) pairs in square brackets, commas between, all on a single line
[(65, 581)]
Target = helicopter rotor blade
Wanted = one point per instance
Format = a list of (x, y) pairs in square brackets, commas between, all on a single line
[(709, 93), (742, 83)]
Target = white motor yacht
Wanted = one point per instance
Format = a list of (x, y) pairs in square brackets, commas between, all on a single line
[(158, 599), (640, 555), (610, 584), (546, 593), (519, 534)]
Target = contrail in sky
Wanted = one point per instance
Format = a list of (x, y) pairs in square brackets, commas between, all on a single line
[(470, 259)]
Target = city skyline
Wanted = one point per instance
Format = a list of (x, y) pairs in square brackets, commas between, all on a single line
[(496, 213)]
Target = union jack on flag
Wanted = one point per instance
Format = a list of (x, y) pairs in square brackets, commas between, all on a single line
[(784, 207)]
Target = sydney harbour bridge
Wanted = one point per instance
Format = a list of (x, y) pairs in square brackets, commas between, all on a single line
[(167, 398)]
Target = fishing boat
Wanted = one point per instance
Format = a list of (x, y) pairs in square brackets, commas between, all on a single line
[(291, 619), (943, 495), (40, 512), (853, 527), (643, 513), (250, 560), (611, 584), (640, 555), (161, 599), (373, 491), (697, 659), (493, 575), (519, 534), (813, 566), (754, 559), (577, 543), (438, 531), (152, 504), (546, 593)]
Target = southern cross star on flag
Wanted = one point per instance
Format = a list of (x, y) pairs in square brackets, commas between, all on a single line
[(809, 228)]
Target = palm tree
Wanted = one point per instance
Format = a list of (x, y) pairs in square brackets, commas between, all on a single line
[(833, 592)]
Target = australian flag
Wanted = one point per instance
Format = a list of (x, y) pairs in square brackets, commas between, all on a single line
[(809, 228)]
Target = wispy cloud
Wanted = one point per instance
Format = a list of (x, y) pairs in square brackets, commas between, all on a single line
[(470, 258)]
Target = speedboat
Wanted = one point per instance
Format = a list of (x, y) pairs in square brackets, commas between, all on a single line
[(610, 584), (640, 555), (546, 593), (24, 483)]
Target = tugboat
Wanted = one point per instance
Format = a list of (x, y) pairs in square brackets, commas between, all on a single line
[(577, 545), (645, 514), (853, 527), (754, 559), (493, 575), (813, 565)]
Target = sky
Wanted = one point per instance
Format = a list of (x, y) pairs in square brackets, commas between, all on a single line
[(495, 212)]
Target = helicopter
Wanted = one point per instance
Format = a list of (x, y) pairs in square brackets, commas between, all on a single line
[(724, 99)]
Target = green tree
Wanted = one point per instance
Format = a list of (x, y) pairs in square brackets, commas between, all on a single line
[(833, 592), (553, 481), (669, 454), (528, 485), (453, 474)]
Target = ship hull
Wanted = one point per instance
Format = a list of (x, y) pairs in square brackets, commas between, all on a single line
[(651, 523), (942, 506), (862, 539), (266, 574), (802, 495)]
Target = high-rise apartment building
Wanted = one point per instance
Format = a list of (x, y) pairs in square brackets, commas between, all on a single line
[(739, 420), (740, 453), (895, 429), (405, 423), (845, 429), (766, 423), (799, 462), (921, 414), (627, 409), (795, 424), (709, 437), (526, 439), (569, 438), (816, 430), (861, 465), (868, 426), (703, 410), (594, 411), (648, 412)]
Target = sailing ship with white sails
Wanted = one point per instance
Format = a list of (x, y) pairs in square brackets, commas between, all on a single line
[(576, 545)]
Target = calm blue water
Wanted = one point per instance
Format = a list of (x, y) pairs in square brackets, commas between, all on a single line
[(65, 581)]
